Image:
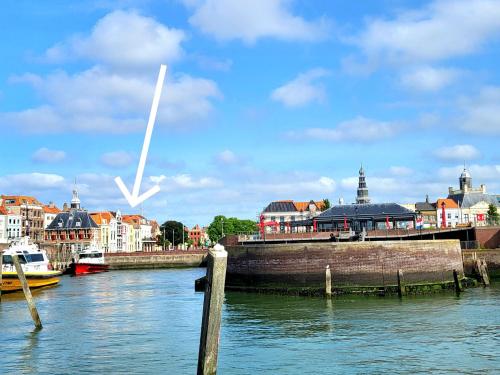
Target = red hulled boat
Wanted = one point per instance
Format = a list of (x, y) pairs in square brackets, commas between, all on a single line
[(90, 260)]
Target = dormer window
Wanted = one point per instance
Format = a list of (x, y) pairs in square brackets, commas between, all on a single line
[(78, 223), (60, 223)]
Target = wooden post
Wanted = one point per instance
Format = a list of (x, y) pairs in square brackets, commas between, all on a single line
[(484, 272), (328, 282), (458, 284), (212, 311), (27, 292), (401, 287)]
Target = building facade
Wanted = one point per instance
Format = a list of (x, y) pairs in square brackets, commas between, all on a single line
[(473, 202), (451, 212), (279, 216), (31, 212), (427, 214), (50, 212)]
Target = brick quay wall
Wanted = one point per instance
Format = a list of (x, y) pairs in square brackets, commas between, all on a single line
[(167, 259), (299, 268), (491, 256)]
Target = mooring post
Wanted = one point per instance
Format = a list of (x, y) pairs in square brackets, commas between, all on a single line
[(27, 292), (401, 287), (484, 271), (458, 284), (212, 311), (328, 282)]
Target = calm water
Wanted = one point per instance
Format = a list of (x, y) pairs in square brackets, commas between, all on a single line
[(149, 322)]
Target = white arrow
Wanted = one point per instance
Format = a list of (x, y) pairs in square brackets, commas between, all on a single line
[(134, 199)]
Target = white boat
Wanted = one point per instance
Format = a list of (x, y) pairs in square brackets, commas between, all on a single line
[(35, 265), (90, 260)]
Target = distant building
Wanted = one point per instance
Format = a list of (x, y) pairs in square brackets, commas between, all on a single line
[(473, 202), (73, 229), (198, 235), (10, 225), (50, 212), (427, 213), (451, 212), (366, 216), (31, 212), (362, 193), (280, 215)]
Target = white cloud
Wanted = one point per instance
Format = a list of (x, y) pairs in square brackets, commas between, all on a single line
[(303, 187), (117, 159), (186, 182), (302, 90), (123, 39), (481, 115), (426, 78), (45, 155), (457, 153), (359, 129), (438, 31), (227, 157), (400, 171), (252, 20), (26, 182), (97, 100)]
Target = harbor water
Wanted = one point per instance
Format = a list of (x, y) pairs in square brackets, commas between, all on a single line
[(148, 321)]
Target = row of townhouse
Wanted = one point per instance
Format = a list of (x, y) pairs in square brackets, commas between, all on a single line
[(74, 228)]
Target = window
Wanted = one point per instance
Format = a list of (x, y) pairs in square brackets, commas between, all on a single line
[(449, 215), (37, 257)]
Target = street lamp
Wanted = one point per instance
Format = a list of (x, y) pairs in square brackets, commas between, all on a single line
[(222, 226), (173, 238)]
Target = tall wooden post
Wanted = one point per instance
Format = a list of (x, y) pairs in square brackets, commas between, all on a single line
[(328, 282), (401, 286), (27, 292), (212, 311), (458, 284)]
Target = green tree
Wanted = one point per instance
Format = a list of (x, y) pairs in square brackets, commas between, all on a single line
[(173, 232), (493, 215), (327, 204), (222, 225)]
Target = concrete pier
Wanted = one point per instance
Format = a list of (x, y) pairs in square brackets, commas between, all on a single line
[(167, 259)]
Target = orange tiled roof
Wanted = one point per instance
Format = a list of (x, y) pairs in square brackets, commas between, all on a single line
[(449, 203), (303, 206), (3, 211), (99, 216), (51, 210), (18, 200)]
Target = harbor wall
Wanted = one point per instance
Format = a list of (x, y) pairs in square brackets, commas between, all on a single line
[(171, 259), (491, 256), (355, 266), (488, 237)]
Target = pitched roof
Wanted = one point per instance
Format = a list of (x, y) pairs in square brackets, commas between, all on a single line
[(69, 220), (281, 206), (471, 199), (425, 206), (448, 203), (51, 209), (99, 217), (304, 206), (370, 210), (17, 200)]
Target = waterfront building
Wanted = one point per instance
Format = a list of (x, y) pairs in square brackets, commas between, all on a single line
[(473, 202), (362, 192), (103, 220), (279, 216), (50, 212), (31, 212), (142, 233), (451, 213), (198, 235), (366, 216), (427, 214), (74, 229)]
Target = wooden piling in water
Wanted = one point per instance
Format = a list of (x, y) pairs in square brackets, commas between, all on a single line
[(27, 292), (328, 282), (458, 284), (212, 311), (483, 272), (401, 286)]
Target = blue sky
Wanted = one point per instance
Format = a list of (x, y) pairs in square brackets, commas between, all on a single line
[(264, 100)]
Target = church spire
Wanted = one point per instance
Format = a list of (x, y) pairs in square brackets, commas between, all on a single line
[(75, 201), (362, 197)]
